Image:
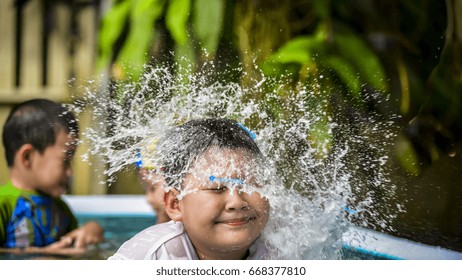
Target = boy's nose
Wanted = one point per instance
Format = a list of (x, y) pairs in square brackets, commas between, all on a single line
[(235, 201)]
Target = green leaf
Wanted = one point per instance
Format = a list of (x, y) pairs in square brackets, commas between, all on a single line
[(176, 19), (301, 49), (368, 64), (208, 22), (144, 14), (346, 72), (298, 50), (185, 62), (271, 68), (295, 54), (111, 28)]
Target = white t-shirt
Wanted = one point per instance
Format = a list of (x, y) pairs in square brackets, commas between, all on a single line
[(169, 241)]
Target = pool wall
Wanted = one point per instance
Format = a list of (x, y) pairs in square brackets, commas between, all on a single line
[(360, 240), (385, 246), (125, 205)]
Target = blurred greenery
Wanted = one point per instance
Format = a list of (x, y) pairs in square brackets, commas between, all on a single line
[(400, 49), (406, 54)]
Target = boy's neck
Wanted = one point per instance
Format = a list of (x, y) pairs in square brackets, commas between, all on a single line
[(19, 181), (212, 255)]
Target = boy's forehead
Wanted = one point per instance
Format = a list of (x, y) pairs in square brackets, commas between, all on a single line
[(226, 162), (226, 158)]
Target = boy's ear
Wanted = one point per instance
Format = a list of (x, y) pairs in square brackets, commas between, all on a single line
[(24, 155), (172, 205)]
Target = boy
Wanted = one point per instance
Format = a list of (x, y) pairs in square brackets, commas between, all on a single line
[(153, 185), (209, 166), (40, 138), (152, 182)]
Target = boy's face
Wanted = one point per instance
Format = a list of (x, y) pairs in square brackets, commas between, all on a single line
[(51, 169), (219, 217)]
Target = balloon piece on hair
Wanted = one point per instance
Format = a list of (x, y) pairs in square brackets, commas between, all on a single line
[(226, 180), (251, 134), (144, 156)]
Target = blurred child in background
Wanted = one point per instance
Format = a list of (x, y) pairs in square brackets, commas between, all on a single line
[(40, 138)]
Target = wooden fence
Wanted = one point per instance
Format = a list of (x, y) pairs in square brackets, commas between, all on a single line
[(48, 50)]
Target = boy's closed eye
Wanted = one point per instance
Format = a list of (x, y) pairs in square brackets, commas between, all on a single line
[(216, 188)]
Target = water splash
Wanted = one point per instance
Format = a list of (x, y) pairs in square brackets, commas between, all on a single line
[(325, 164)]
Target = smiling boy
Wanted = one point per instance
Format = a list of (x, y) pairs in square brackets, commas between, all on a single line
[(213, 200)]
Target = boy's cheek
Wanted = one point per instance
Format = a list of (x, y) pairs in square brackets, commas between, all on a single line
[(263, 201)]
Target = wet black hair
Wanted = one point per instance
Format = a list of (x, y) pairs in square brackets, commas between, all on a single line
[(183, 144), (36, 122)]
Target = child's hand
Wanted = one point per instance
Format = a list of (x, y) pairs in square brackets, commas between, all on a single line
[(89, 233), (73, 243), (61, 247)]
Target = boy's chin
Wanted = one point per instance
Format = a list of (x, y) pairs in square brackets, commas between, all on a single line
[(57, 192), (238, 244)]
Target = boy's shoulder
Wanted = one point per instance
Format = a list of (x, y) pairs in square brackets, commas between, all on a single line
[(8, 198), (8, 195), (13, 198), (8, 189), (167, 241)]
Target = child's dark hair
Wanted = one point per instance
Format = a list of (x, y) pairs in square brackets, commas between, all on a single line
[(182, 145), (36, 122)]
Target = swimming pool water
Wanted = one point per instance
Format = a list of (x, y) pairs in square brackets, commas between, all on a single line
[(117, 230)]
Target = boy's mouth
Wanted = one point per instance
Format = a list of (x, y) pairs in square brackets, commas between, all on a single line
[(237, 222)]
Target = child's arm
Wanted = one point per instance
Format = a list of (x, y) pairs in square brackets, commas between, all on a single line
[(73, 243), (87, 234)]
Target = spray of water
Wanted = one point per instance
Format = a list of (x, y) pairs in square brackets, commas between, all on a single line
[(322, 171)]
